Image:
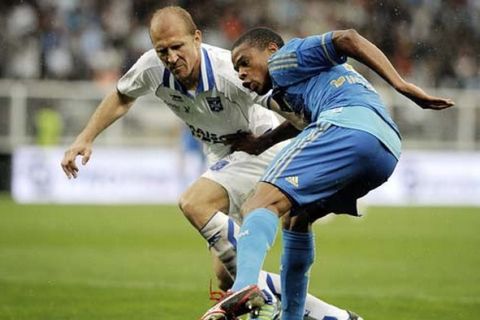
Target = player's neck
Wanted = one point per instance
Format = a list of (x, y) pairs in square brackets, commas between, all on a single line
[(191, 82)]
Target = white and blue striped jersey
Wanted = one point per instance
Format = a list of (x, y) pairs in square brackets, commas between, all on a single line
[(220, 105)]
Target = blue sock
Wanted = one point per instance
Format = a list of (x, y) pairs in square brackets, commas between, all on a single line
[(297, 258), (254, 240)]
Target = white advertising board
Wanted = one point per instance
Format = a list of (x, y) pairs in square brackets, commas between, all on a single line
[(158, 176), (431, 178), (111, 176)]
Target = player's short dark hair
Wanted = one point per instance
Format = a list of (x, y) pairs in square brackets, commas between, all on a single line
[(259, 37), (183, 14)]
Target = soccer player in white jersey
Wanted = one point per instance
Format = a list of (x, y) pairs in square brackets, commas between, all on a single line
[(199, 84)]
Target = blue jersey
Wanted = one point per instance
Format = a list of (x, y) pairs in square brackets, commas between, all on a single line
[(309, 77)]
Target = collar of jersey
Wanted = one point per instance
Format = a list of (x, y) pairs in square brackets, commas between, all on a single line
[(205, 83)]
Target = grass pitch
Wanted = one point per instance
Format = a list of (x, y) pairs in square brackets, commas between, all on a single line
[(147, 262)]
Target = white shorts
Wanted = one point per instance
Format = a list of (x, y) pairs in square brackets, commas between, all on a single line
[(238, 173)]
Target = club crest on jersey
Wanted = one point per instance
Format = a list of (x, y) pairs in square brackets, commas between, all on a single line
[(215, 104)]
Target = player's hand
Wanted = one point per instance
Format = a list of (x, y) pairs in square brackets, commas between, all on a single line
[(246, 142), (424, 100), (76, 149)]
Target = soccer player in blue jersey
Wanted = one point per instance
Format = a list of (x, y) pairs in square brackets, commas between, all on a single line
[(349, 145)]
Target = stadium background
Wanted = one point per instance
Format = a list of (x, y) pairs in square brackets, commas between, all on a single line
[(58, 59)]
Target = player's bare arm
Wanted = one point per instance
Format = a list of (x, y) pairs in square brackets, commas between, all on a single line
[(247, 142), (113, 106), (352, 44)]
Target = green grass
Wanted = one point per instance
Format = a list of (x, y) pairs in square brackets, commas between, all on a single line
[(146, 262)]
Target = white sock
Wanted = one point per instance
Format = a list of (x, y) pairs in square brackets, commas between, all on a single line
[(221, 235), (314, 308)]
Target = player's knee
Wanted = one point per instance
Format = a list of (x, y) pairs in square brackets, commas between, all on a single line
[(268, 197), (252, 205), (247, 207), (277, 205), (188, 205)]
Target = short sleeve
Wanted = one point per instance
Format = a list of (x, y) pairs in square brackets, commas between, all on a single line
[(301, 59), (319, 51), (142, 78)]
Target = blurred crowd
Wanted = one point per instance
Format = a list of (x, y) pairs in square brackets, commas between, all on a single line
[(431, 42)]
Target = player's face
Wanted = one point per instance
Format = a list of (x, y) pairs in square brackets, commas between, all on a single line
[(251, 64), (178, 50)]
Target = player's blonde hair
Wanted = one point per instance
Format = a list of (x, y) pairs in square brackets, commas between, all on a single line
[(181, 13)]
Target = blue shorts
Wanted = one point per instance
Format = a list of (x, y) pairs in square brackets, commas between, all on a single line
[(326, 168)]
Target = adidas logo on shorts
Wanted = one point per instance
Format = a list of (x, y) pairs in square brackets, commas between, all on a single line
[(293, 180)]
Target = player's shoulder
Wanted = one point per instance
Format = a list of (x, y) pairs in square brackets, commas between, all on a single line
[(221, 60), (312, 43), (216, 53), (225, 74), (300, 52), (299, 44), (287, 54)]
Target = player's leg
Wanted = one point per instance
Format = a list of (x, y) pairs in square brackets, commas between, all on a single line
[(310, 171), (305, 171), (232, 179), (333, 171), (298, 255), (224, 188), (221, 232), (269, 282), (288, 177), (314, 307), (259, 226), (225, 280), (201, 200), (261, 217), (204, 204), (256, 236), (238, 175)]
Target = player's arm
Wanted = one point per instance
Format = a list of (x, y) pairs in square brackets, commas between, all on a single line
[(247, 142), (352, 44), (112, 107), (268, 101)]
